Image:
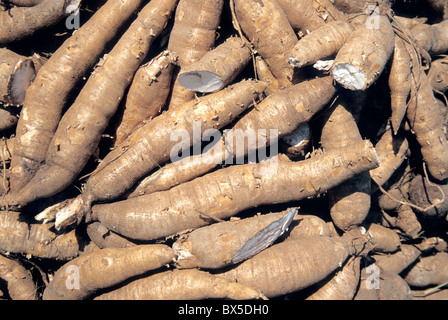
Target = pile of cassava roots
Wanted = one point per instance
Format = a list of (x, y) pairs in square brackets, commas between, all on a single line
[(223, 149)]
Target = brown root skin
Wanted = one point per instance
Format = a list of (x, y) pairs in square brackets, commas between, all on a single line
[(397, 262), (20, 22), (16, 74), (362, 59), (36, 239), (383, 239), (392, 151), (105, 268), (350, 201), (213, 246), (309, 15), (181, 285), (431, 198), (290, 266), (80, 129), (427, 123), (22, 3), (431, 38), (429, 271), (147, 94), (8, 119), (192, 36), (231, 190), (19, 280), (342, 285), (378, 285), (265, 74), (47, 95), (284, 110), (217, 68), (140, 154), (438, 74), (266, 26), (399, 83), (311, 48)]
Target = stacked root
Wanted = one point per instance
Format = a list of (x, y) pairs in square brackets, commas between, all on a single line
[(238, 149)]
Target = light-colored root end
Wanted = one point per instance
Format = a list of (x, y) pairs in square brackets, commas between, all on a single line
[(349, 76), (323, 65), (49, 214), (201, 81), (71, 213), (23, 75), (295, 62), (72, 6)]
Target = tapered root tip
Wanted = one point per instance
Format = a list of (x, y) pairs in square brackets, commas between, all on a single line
[(349, 76), (201, 81)]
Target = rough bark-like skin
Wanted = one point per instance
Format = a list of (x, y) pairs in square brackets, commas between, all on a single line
[(398, 261), (18, 280), (104, 268), (432, 38), (228, 191), (212, 247), (79, 131), (147, 94), (181, 285), (35, 239), (309, 15), (438, 74), (322, 43), (291, 265), (152, 145), (427, 124), (284, 110), (424, 194), (11, 63), (392, 151), (399, 83), (266, 26), (343, 285), (350, 201), (193, 35), (20, 22), (367, 52), (46, 96), (225, 61), (429, 271)]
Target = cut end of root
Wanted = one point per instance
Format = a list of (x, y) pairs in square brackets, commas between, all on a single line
[(201, 81), (20, 81), (349, 76), (70, 213)]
